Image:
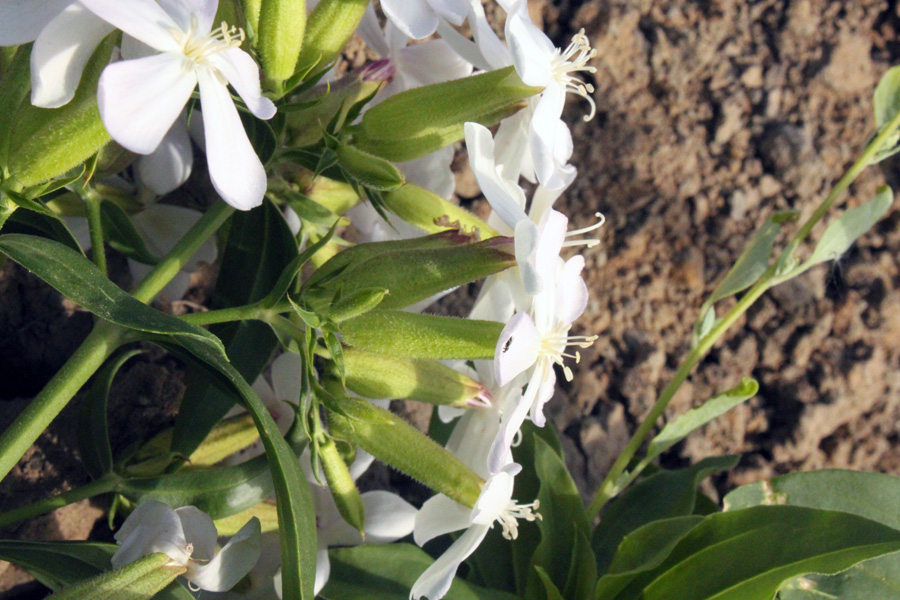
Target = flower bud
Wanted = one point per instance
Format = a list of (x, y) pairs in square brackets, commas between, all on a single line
[(139, 580), (343, 489), (429, 212), (46, 143), (357, 303), (14, 87), (392, 440), (281, 26), (326, 103), (378, 376), (419, 121), (369, 170), (410, 335), (329, 28)]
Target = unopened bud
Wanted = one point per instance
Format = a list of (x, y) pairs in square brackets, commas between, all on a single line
[(431, 213)]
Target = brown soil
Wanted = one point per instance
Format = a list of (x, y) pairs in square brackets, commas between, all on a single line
[(711, 115)]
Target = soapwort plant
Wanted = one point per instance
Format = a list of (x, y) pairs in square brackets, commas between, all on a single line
[(328, 220)]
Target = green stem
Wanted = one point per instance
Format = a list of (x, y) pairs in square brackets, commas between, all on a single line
[(236, 313), (175, 260), (103, 485), (616, 480), (40, 412), (95, 225)]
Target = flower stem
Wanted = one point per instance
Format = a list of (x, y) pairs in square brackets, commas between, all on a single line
[(40, 412), (616, 480), (236, 313), (103, 485), (175, 260), (95, 225)]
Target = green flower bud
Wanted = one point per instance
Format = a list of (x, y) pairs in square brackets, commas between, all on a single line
[(281, 25), (251, 12), (429, 212), (330, 26), (410, 335), (14, 87), (410, 276), (369, 170), (140, 580), (392, 440), (356, 304), (343, 489), (46, 143), (379, 376), (326, 103), (419, 121)]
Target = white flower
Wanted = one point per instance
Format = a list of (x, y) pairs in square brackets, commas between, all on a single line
[(441, 515), (419, 19), (188, 536), (538, 340), (140, 99), (65, 35)]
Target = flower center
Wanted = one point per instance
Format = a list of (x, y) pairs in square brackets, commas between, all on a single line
[(199, 47), (555, 343), (514, 511), (566, 64)]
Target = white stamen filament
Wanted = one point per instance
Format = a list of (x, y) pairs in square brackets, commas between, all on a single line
[(554, 345), (588, 242), (198, 48), (508, 519), (574, 59)]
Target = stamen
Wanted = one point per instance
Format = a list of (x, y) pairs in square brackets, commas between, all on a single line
[(590, 242), (198, 48), (574, 59), (482, 400), (508, 519)]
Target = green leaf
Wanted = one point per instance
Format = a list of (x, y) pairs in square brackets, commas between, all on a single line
[(121, 234), (842, 233), (58, 564), (663, 495), (643, 549), (550, 590), (387, 573), (407, 335), (78, 279), (563, 521), (582, 570), (260, 248), (747, 554), (41, 222), (874, 579), (695, 418), (283, 283), (887, 97), (93, 427), (220, 492)]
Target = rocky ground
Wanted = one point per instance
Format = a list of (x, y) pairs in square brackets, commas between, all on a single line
[(711, 116)]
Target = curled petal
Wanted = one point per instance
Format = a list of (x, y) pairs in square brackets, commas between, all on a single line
[(151, 527), (60, 53), (21, 21), (527, 238), (236, 172), (573, 294), (232, 562), (505, 196), (199, 530), (169, 166), (494, 498), (439, 515), (551, 140), (435, 582), (140, 99), (242, 72), (415, 18), (532, 50), (142, 19)]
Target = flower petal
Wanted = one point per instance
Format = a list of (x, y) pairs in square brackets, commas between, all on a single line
[(323, 570), (21, 21), (505, 197), (430, 62), (415, 18), (439, 515), (435, 582), (544, 393), (140, 99), (500, 454), (572, 298), (236, 172), (388, 517), (451, 10), (181, 11), (494, 498), (551, 236), (143, 19), (60, 53), (371, 33), (169, 166), (151, 527), (232, 562), (551, 140), (517, 349), (242, 72), (199, 531), (532, 50), (527, 241)]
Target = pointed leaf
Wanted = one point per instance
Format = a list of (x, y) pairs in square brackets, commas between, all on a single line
[(842, 233)]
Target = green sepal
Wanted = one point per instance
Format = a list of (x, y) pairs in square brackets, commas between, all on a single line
[(409, 335), (369, 170), (355, 304), (140, 580), (379, 376), (52, 141), (433, 214), (328, 29), (281, 27), (419, 121), (14, 88), (343, 489), (392, 440)]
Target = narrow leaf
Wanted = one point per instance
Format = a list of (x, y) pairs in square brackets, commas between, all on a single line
[(842, 233)]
